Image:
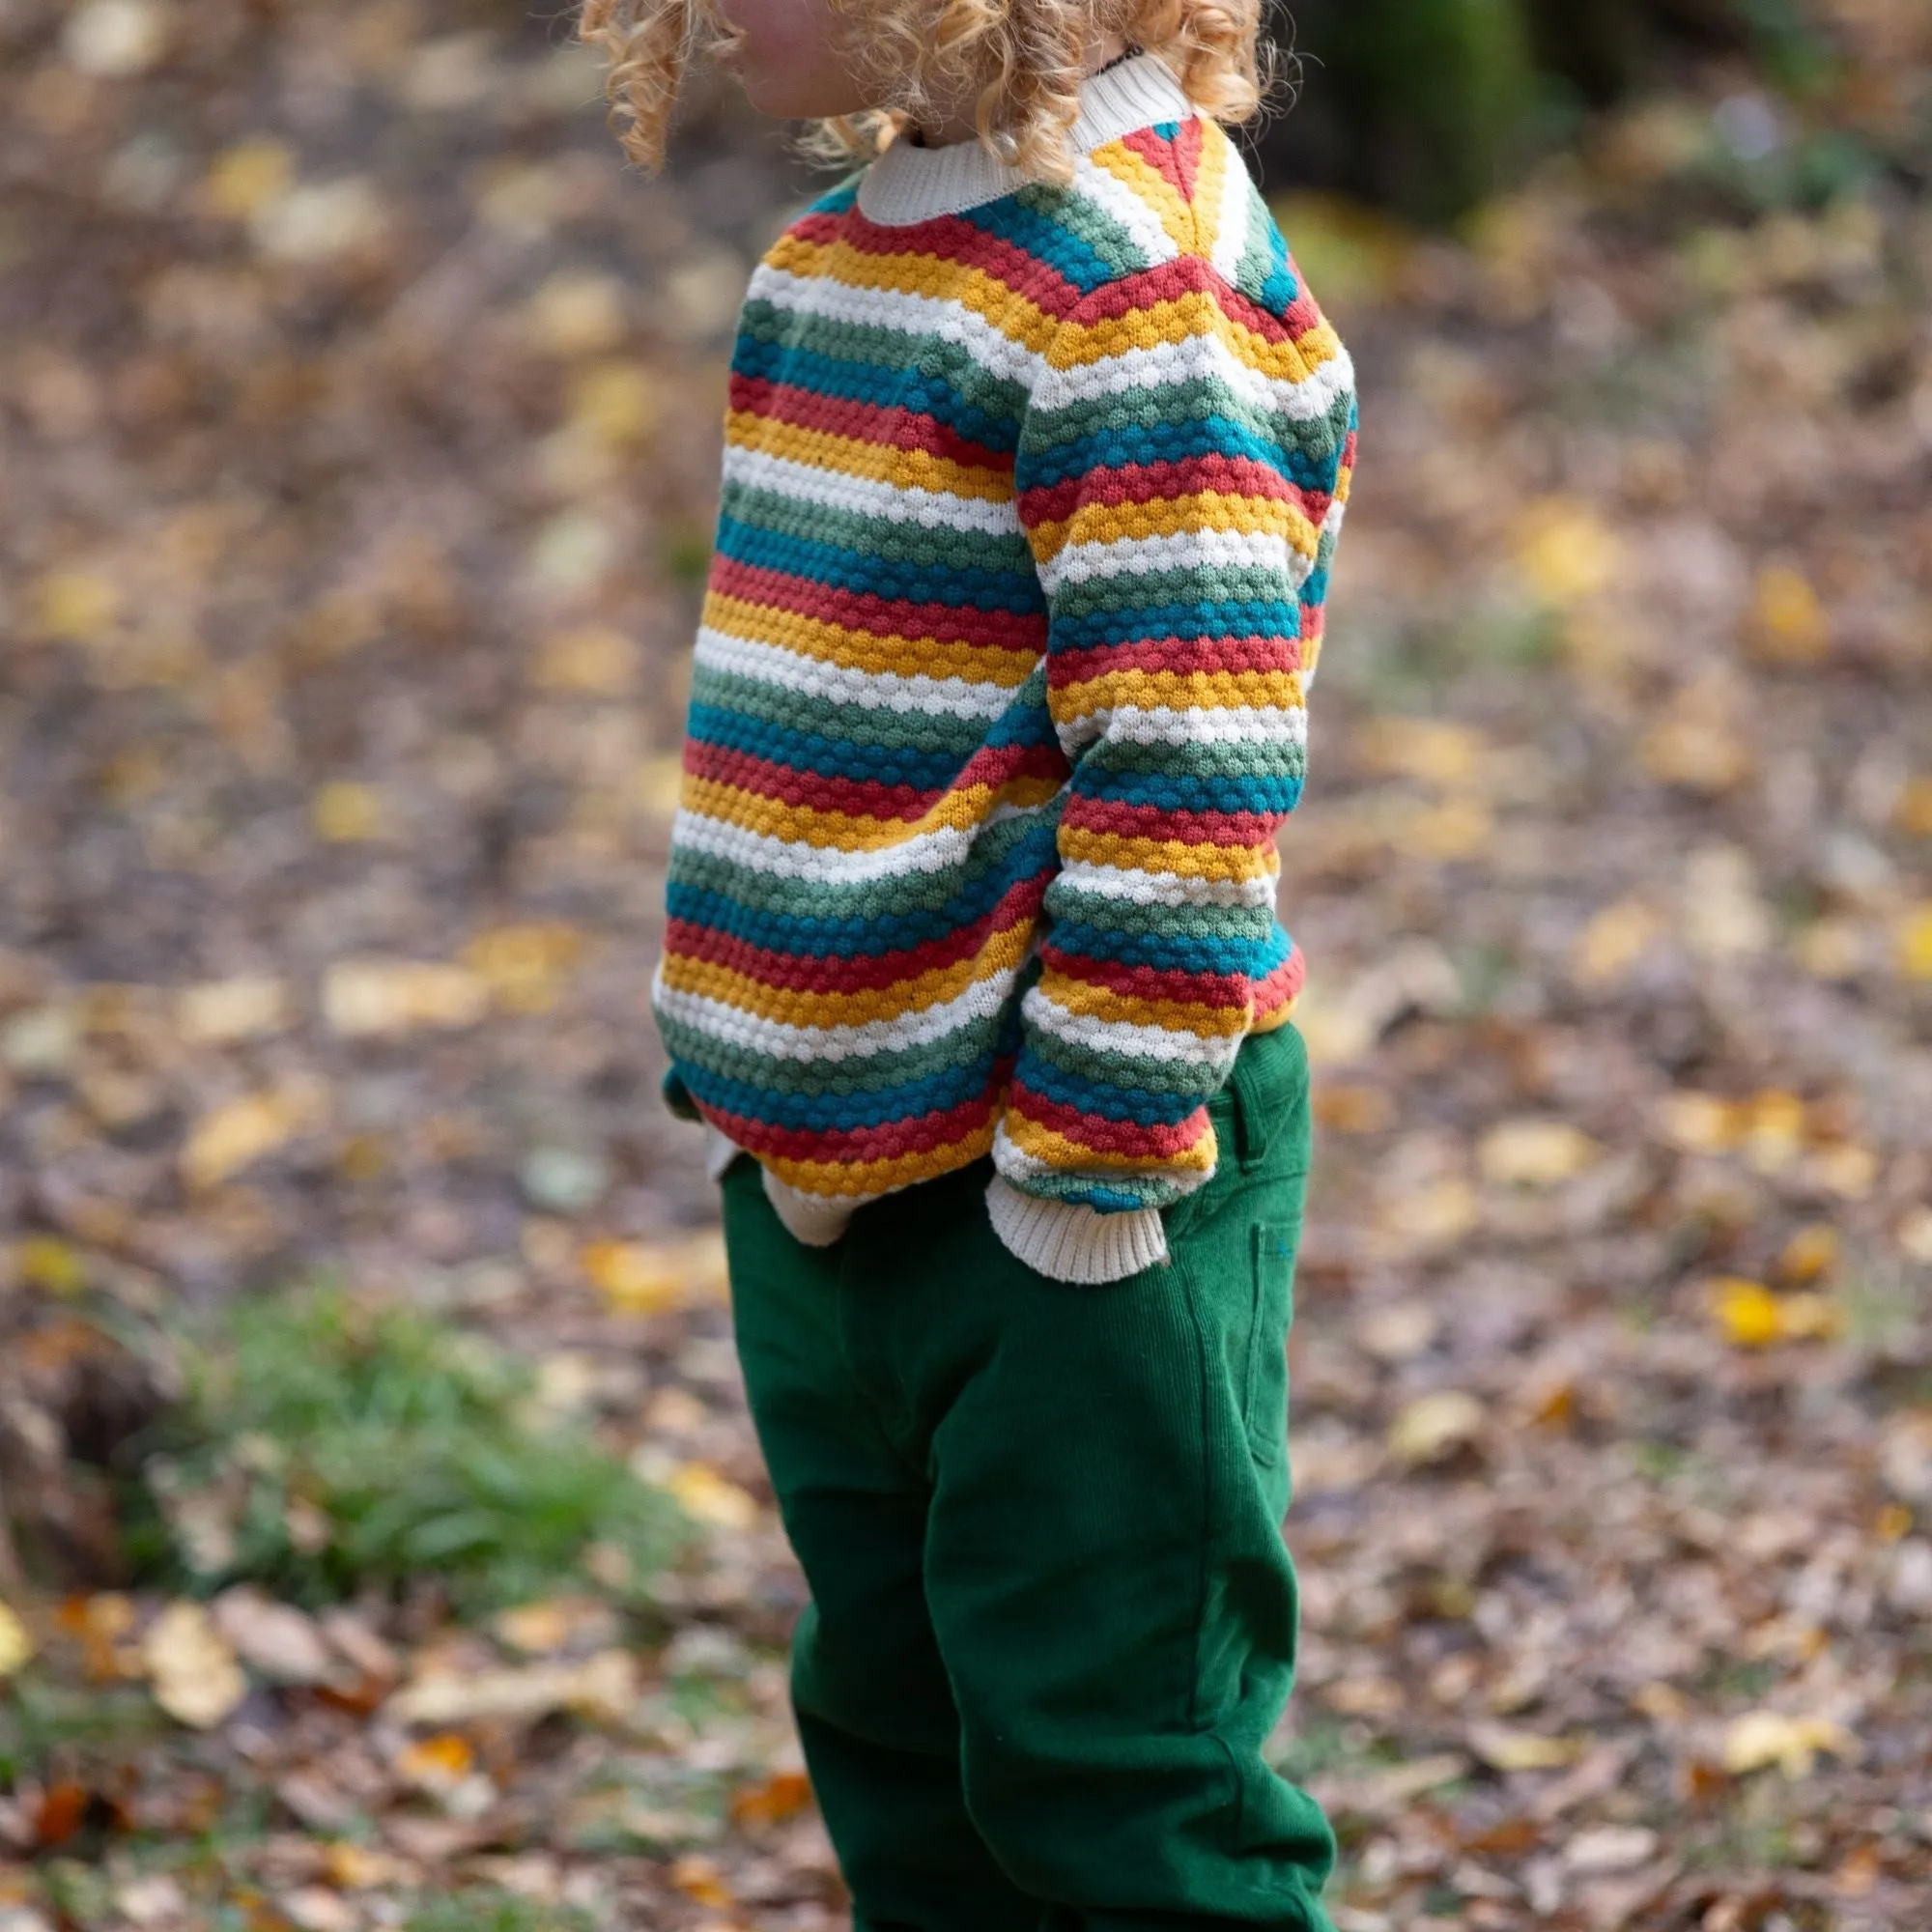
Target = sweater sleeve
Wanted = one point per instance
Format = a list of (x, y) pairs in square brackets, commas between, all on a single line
[(1181, 474)]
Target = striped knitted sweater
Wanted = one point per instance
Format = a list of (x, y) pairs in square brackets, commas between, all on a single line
[(998, 703)]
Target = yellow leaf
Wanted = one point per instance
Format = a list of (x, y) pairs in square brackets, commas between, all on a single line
[(1435, 1426), (594, 660), (1912, 811), (437, 1763), (46, 1262), (1747, 1312), (1788, 620), (634, 1277), (1915, 943), (16, 1643), (1762, 1738), (578, 314), (709, 1497), (1615, 938), (346, 813), (524, 966), (645, 1278), (242, 1133), (74, 605), (1457, 828), (1433, 749), (1505, 1750), (1703, 754), (1811, 1252), (616, 403), (701, 1880), (193, 1673), (1773, 1130), (365, 997), (1751, 1316), (220, 1010), (247, 177), (1534, 1152), (660, 784), (1700, 1122), (1566, 550)]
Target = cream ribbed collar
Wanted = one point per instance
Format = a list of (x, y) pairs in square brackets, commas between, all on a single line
[(908, 183)]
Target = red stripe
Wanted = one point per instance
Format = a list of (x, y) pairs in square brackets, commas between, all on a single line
[(1177, 156), (1122, 1137), (880, 616), (1191, 274), (862, 422), (829, 973), (820, 791), (1162, 482), (1243, 829), (991, 765), (1148, 983), (1186, 657), (889, 1141), (957, 243)]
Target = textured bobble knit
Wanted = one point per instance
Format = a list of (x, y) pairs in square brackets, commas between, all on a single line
[(999, 700)]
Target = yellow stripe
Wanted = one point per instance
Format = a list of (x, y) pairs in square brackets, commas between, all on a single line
[(866, 650), (1216, 510), (878, 1177), (1180, 691), (1001, 305), (868, 461), (1058, 1150), (1084, 998), (846, 832), (1146, 183), (1000, 953), (1197, 313), (1173, 856), (1210, 188)]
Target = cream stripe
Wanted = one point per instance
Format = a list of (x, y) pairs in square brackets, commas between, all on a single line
[(780, 1039), (1169, 889), (1198, 551), (870, 497), (1121, 1037), (914, 315), (1198, 358), (871, 690), (932, 851)]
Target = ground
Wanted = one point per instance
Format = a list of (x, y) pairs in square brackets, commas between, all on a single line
[(360, 415)]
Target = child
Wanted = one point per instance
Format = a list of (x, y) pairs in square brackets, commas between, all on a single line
[(1035, 460)]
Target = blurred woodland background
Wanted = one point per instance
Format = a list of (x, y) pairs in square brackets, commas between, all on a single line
[(384, 1544)]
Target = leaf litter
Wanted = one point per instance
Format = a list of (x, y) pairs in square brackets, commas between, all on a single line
[(361, 415)]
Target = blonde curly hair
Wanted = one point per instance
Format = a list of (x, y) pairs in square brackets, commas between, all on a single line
[(1020, 61)]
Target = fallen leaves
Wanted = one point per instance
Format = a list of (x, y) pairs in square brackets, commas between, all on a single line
[(16, 1643), (195, 1677), (1751, 1316), (1763, 1738), (604, 1685), (1434, 1427)]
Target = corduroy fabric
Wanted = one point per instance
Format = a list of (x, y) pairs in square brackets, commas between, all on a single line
[(999, 698), (1052, 1621)]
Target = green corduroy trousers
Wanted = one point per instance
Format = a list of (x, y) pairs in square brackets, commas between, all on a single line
[(1052, 1619)]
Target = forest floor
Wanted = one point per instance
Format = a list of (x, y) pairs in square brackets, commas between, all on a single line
[(389, 1544)]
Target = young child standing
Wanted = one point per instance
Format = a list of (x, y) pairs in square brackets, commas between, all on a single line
[(1036, 455)]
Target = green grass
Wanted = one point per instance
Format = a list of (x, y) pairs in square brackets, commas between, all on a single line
[(324, 1447)]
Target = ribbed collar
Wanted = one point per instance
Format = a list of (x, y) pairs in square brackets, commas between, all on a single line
[(908, 184)]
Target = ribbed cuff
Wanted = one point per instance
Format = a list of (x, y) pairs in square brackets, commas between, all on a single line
[(1071, 1241), (814, 1219)]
